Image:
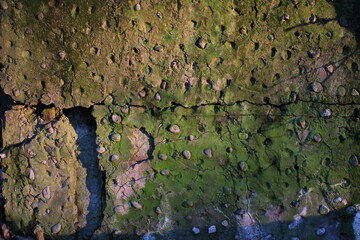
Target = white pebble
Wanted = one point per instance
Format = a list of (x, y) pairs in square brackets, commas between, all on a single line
[(195, 230), (212, 229)]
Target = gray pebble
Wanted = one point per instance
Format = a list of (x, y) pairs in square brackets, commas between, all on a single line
[(4, 5), (329, 68), (323, 210), (314, 53), (2, 155), (320, 231), (225, 223), (157, 97), (115, 118), (186, 154), (31, 174), (316, 87), (56, 228), (243, 166), (62, 54), (354, 161), (46, 193), (136, 205), (337, 200), (317, 138), (100, 149), (341, 91), (137, 7), (354, 92), (201, 43), (212, 229), (195, 230), (208, 152), (162, 156), (164, 172), (326, 113), (191, 138), (174, 129), (142, 93), (114, 158), (115, 137)]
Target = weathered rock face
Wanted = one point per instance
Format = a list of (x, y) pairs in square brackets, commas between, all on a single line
[(209, 119)]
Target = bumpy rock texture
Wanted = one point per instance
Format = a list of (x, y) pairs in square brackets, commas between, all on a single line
[(209, 119)]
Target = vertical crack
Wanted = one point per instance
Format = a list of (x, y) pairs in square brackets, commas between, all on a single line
[(85, 127)]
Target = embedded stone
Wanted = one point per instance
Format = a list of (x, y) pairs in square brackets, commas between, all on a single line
[(115, 118), (195, 230), (225, 223), (317, 138), (56, 228), (158, 210), (337, 200), (40, 16), (316, 87), (142, 93), (157, 97), (341, 91), (137, 7), (174, 129), (114, 158), (125, 109), (120, 210), (201, 43), (164, 172), (2, 155), (136, 205), (191, 138), (243, 166), (208, 152), (115, 137), (354, 92), (212, 229), (323, 209), (314, 53), (313, 18), (354, 161), (162, 156), (100, 149), (320, 231), (329, 68), (326, 113), (31, 174), (46, 193), (62, 54), (186, 154)]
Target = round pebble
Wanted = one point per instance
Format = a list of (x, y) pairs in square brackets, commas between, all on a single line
[(208, 152), (229, 149), (293, 97), (316, 87), (243, 166), (28, 31), (337, 200), (125, 109), (326, 113), (114, 158), (212, 229), (19, 5), (317, 138), (56, 228), (120, 210), (100, 149), (174, 129), (115, 118), (341, 91), (46, 193), (191, 137), (162, 156), (158, 210), (117, 232), (115, 137), (186, 154), (195, 230), (2, 155), (320, 231), (354, 161)]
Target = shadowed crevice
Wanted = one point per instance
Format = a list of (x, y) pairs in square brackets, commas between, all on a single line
[(85, 127)]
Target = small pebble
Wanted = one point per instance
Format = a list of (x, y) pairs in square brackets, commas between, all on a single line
[(158, 210), (164, 172), (337, 200), (186, 154), (195, 230), (159, 14), (229, 149), (100, 149), (115, 137), (341, 91), (40, 16), (208, 152), (31, 174), (326, 113), (137, 7), (201, 43), (312, 18), (43, 65), (354, 92), (314, 53), (62, 54), (316, 87), (320, 231), (142, 93), (243, 166), (46, 193), (317, 138), (162, 156), (188, 218), (225, 223), (136, 205), (212, 229), (103, 121), (4, 5), (114, 158), (117, 232), (50, 130), (303, 123), (329, 68), (125, 109), (19, 5), (285, 17), (56, 228), (174, 129), (2, 155), (28, 31), (354, 161), (115, 118), (293, 97), (47, 211), (157, 97), (191, 137), (120, 210)]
